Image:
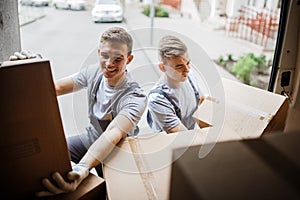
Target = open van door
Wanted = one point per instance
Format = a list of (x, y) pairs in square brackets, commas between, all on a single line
[(285, 76)]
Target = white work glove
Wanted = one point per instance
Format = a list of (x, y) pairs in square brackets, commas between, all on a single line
[(24, 55), (79, 172)]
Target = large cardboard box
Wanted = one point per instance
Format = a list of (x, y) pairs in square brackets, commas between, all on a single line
[(140, 168), (32, 143), (263, 168)]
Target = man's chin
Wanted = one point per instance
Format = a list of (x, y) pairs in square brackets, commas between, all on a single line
[(108, 74), (184, 78)]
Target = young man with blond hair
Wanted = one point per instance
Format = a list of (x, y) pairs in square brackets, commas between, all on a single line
[(175, 97)]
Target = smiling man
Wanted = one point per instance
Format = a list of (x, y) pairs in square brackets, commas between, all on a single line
[(116, 104), (175, 97)]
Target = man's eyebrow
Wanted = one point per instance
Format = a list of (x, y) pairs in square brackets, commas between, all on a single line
[(179, 65), (114, 55), (119, 55)]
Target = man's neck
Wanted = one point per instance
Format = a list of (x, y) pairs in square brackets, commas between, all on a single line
[(172, 82)]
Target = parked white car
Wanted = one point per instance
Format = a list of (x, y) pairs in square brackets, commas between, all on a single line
[(35, 2), (69, 4), (108, 11)]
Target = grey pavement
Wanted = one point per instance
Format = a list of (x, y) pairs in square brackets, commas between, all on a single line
[(214, 42)]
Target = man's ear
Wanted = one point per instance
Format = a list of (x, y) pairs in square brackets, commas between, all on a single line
[(98, 51), (129, 59), (161, 66)]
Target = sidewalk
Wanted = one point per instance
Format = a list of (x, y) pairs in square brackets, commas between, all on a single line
[(29, 14), (214, 42)]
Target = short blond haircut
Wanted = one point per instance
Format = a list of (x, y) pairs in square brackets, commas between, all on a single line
[(117, 34), (171, 46)]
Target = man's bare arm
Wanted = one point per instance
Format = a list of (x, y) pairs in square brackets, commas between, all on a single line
[(102, 147), (64, 86)]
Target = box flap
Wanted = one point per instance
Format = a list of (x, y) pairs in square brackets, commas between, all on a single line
[(249, 111)]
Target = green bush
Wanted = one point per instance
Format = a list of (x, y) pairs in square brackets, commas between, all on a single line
[(244, 67), (159, 11), (230, 57)]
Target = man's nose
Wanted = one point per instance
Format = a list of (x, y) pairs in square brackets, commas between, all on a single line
[(186, 68), (109, 62)]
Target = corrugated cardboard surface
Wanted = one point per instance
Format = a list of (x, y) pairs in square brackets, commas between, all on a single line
[(144, 172), (263, 168), (32, 143), (129, 176), (141, 168)]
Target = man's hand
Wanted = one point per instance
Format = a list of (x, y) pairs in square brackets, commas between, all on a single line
[(75, 177), (24, 55)]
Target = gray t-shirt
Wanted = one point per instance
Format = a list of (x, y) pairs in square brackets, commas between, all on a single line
[(106, 102), (162, 112)]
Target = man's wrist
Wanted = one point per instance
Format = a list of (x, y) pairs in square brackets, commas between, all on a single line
[(83, 164)]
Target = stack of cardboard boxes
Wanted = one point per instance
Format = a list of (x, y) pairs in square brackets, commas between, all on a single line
[(33, 143)]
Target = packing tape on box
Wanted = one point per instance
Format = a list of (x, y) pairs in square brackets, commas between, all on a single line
[(144, 170)]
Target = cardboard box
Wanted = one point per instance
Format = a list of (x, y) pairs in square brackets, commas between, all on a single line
[(247, 111), (263, 168), (141, 167), (32, 142)]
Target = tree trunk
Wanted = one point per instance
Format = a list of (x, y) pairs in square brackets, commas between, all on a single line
[(9, 29)]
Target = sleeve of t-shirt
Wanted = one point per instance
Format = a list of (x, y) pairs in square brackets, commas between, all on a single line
[(162, 112), (133, 105), (85, 76), (80, 78)]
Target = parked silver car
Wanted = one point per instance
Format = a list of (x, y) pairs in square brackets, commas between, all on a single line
[(35, 2), (69, 4), (108, 11)]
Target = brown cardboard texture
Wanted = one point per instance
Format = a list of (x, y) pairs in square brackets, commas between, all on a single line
[(248, 110), (32, 143), (263, 168), (140, 168), (93, 187)]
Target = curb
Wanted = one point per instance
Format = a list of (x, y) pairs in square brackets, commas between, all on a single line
[(31, 20)]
